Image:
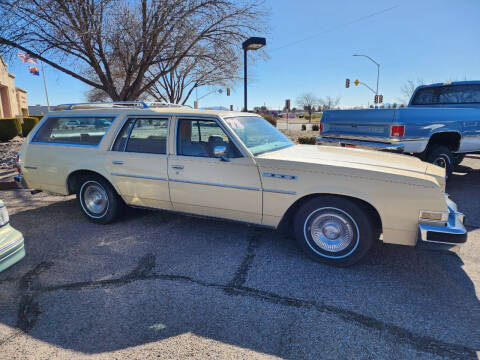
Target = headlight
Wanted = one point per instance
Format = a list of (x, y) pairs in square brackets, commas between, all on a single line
[(440, 217), (3, 215)]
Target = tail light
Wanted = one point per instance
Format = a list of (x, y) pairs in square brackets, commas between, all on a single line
[(397, 130), (320, 127)]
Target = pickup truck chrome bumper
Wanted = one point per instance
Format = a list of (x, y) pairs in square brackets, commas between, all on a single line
[(365, 144), (452, 234)]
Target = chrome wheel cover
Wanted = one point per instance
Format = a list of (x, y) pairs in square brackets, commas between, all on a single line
[(440, 161), (333, 231), (94, 199)]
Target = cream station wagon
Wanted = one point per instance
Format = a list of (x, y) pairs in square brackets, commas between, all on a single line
[(336, 201)]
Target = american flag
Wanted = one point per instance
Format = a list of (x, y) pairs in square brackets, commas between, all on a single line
[(27, 58)]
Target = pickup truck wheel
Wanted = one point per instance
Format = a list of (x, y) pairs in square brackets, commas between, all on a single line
[(441, 156), (334, 230), (98, 200)]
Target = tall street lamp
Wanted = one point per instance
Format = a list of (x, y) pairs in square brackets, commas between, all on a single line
[(378, 67), (253, 43)]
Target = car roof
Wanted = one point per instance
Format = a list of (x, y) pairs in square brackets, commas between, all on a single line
[(467, 82), (148, 111)]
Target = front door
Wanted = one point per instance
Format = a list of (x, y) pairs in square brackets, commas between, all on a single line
[(138, 162), (203, 183)]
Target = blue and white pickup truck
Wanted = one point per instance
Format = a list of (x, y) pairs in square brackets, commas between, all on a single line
[(440, 125)]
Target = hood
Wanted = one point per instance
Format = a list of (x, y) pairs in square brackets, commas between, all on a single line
[(321, 154)]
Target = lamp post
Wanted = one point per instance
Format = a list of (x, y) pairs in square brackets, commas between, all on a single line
[(253, 43), (378, 68)]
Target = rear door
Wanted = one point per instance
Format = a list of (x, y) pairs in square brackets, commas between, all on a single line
[(138, 162)]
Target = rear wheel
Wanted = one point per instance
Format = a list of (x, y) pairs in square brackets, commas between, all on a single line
[(98, 200), (442, 156), (334, 230)]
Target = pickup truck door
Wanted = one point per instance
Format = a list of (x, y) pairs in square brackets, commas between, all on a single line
[(203, 184), (470, 141), (137, 162)]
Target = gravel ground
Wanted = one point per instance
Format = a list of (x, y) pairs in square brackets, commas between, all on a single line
[(8, 152), (160, 285)]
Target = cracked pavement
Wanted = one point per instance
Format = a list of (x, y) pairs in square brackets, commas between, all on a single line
[(160, 285)]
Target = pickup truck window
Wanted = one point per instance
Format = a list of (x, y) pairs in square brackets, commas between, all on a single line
[(258, 134), (448, 94), (73, 130)]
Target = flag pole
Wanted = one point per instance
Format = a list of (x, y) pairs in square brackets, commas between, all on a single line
[(45, 86)]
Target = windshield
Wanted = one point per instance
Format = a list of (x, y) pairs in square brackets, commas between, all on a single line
[(258, 134)]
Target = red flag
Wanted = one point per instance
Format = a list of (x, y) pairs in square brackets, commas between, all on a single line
[(27, 58)]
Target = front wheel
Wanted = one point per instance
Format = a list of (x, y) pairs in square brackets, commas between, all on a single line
[(441, 156), (98, 200), (334, 230)]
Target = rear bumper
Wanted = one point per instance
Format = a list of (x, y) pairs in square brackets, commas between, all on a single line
[(444, 237), (364, 144)]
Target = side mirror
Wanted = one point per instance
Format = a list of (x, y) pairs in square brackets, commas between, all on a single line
[(220, 152)]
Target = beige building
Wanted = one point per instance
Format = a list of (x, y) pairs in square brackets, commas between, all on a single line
[(13, 100)]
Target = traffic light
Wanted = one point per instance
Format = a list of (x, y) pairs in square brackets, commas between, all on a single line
[(380, 99), (376, 99), (347, 83), (228, 91)]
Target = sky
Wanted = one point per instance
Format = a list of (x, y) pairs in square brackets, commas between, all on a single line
[(310, 47)]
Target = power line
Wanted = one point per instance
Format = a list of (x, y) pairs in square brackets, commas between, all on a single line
[(337, 27)]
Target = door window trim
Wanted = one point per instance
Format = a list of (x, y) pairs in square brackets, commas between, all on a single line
[(201, 118), (135, 118)]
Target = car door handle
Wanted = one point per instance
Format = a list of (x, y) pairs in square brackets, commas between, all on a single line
[(117, 162), (177, 166)]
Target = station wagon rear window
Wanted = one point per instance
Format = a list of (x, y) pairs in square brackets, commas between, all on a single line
[(448, 94), (81, 130)]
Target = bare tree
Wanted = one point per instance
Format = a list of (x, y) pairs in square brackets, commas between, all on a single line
[(307, 102), (112, 45), (215, 67), (330, 102), (409, 87)]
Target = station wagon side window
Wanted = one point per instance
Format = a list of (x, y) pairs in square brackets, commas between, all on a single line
[(200, 137), (143, 136), (81, 130)]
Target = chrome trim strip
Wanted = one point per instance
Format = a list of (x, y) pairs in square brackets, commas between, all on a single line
[(216, 184), (29, 167), (140, 176), (361, 143), (11, 245), (381, 139), (279, 176), (280, 191)]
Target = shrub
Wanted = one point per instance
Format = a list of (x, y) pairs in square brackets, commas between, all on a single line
[(28, 124), (310, 140), (315, 127), (270, 118), (9, 128), (304, 127)]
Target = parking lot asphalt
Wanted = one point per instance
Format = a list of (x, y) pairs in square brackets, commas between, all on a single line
[(161, 285)]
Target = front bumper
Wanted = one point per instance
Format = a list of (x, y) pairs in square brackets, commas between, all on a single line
[(450, 235), (362, 144)]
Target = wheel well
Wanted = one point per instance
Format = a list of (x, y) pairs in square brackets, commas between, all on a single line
[(73, 180), (449, 139), (287, 220)]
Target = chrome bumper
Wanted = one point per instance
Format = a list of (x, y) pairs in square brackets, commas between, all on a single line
[(363, 144), (452, 234), (20, 181)]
